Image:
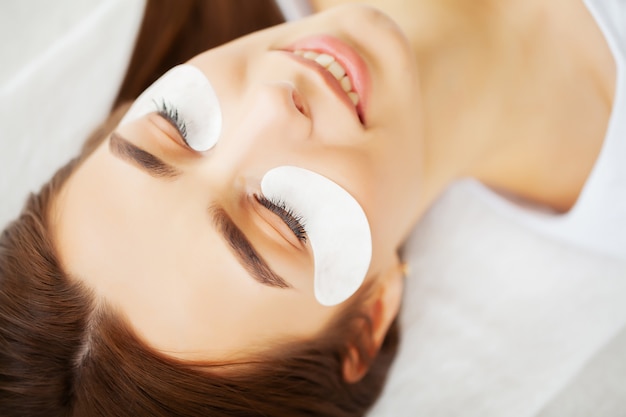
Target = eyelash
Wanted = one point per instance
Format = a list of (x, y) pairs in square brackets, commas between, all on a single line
[(294, 221), (170, 113)]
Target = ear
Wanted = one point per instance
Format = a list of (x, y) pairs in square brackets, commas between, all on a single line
[(382, 309)]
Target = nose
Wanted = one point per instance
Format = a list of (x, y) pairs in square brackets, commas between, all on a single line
[(267, 127), (273, 116), (283, 106)]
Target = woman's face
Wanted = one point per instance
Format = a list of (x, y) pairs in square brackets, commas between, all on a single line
[(194, 258)]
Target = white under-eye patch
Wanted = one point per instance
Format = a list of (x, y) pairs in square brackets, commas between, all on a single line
[(335, 224), (186, 89)]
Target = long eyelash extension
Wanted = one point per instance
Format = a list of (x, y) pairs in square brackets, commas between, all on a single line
[(294, 221), (170, 113)]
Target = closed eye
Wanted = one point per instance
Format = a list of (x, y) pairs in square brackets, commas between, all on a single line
[(171, 114), (294, 221)]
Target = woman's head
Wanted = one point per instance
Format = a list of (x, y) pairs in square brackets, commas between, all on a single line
[(186, 248), (188, 267), (65, 351)]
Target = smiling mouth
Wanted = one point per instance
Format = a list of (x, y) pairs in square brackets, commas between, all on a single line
[(329, 63), (337, 77)]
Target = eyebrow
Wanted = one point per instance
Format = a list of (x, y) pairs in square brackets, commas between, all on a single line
[(144, 160), (247, 256)]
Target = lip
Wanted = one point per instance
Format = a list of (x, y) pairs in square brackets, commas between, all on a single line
[(348, 58)]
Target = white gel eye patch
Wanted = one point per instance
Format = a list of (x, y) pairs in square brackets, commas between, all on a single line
[(186, 89), (336, 226)]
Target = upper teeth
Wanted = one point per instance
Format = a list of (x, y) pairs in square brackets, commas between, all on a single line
[(335, 68)]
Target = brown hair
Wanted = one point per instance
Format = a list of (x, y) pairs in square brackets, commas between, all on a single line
[(62, 354), (174, 31)]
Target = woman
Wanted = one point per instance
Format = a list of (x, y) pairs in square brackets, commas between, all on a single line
[(73, 344), (382, 138)]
